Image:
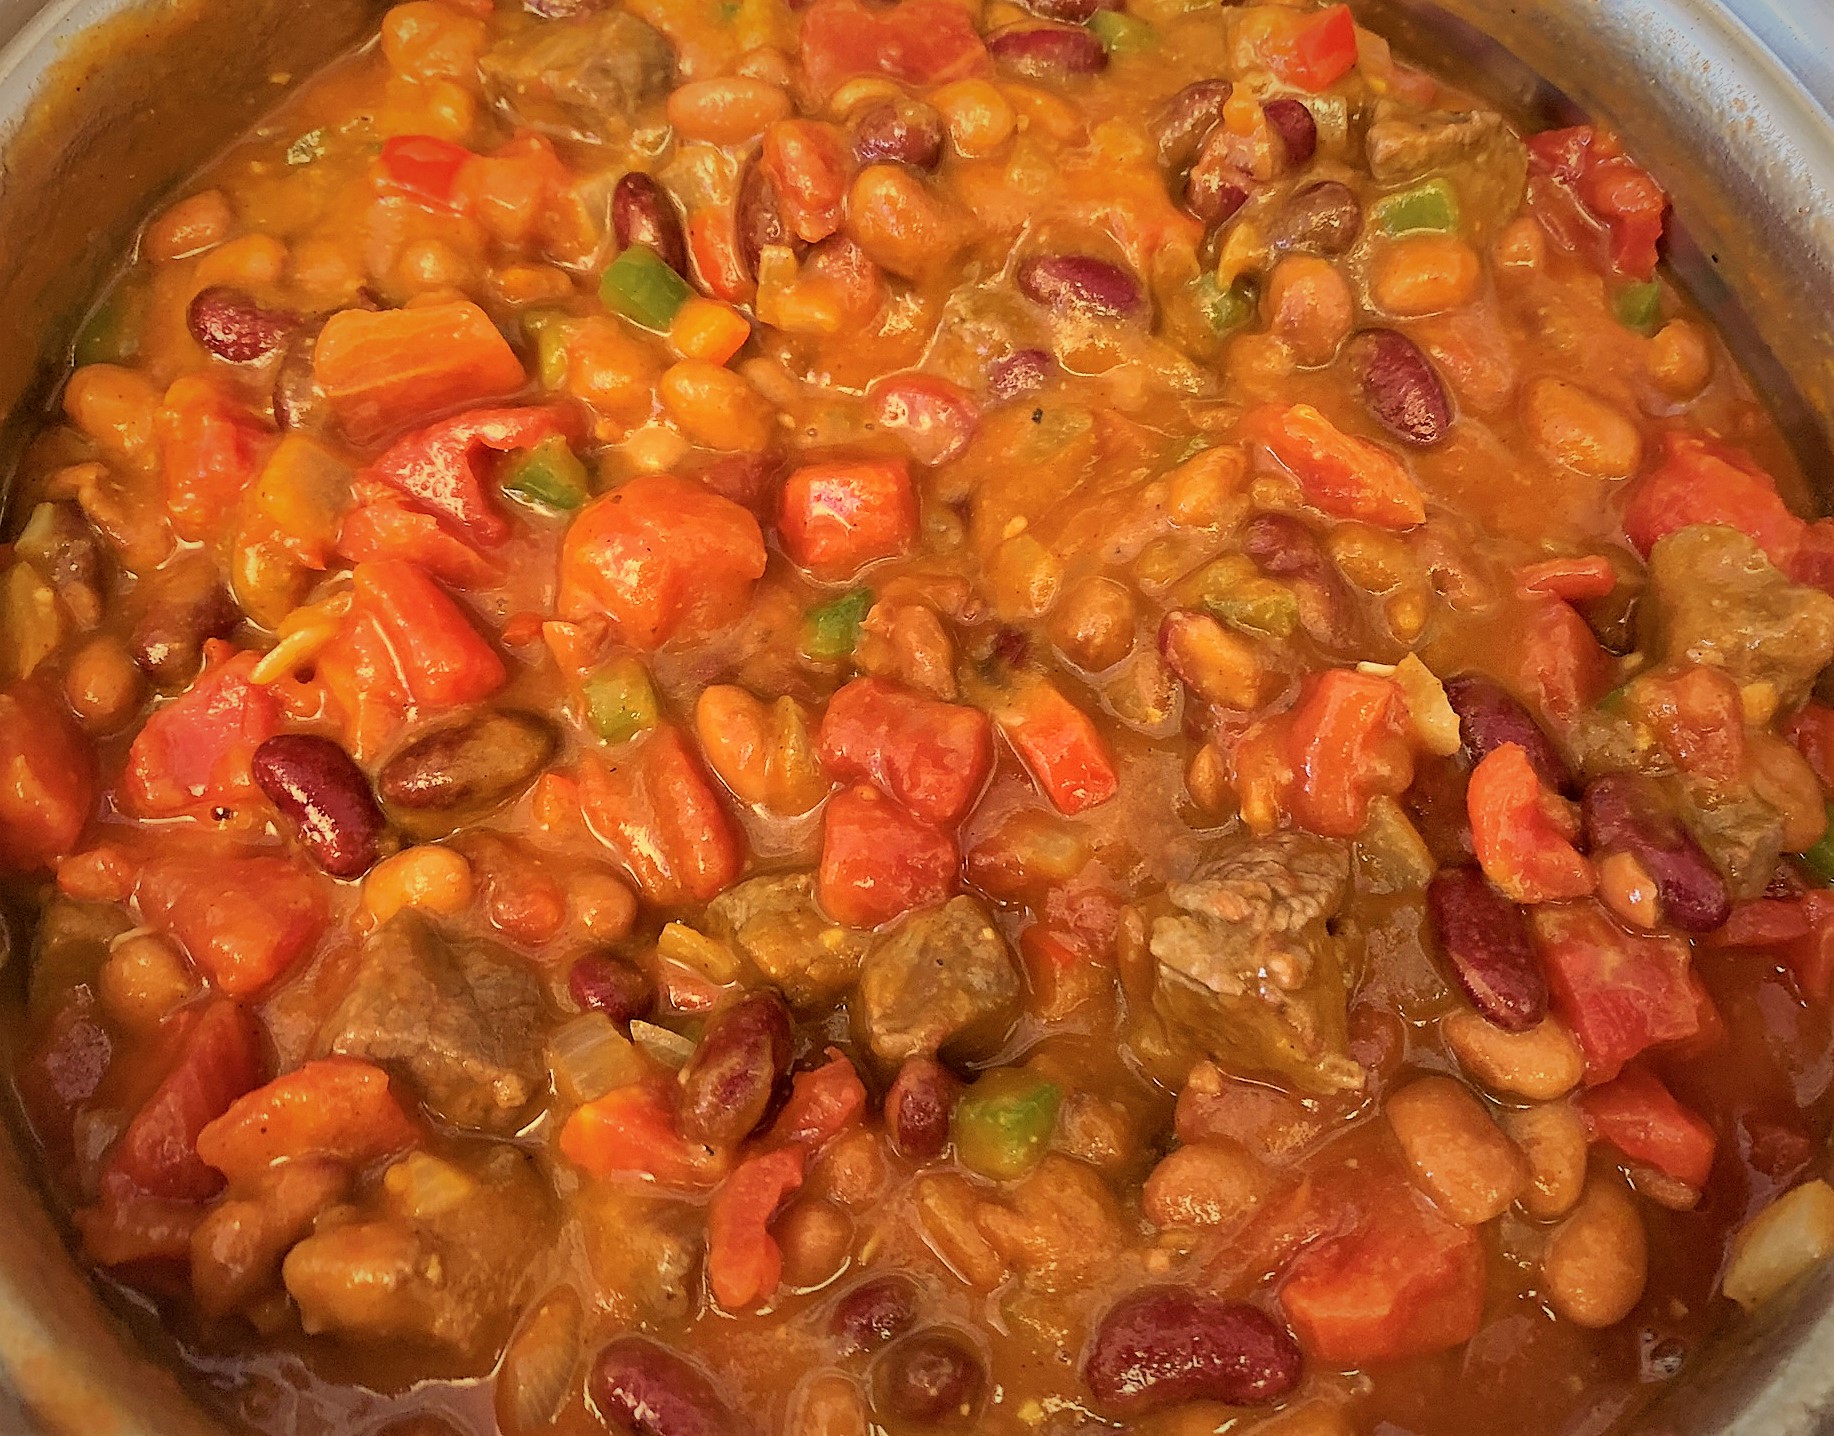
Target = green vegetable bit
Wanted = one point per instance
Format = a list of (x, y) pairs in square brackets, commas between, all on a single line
[(1819, 859), (1432, 205), (831, 631), (1122, 34), (1639, 307), (620, 703), (1236, 592), (1228, 309), (1002, 1123), (111, 334), (550, 474), (551, 330), (643, 289)]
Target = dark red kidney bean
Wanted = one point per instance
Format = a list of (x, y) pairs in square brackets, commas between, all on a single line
[(727, 1085), (477, 762), (1490, 716), (642, 213), (1298, 131), (1169, 1345), (1282, 546), (1079, 282), (758, 216), (1400, 386), (602, 982), (1071, 12), (1046, 52), (1438, 805), (321, 792), (176, 609), (299, 403), (906, 133), (1626, 812), (1323, 218), (917, 1108), (931, 1377), (874, 1312), (1187, 118), (1486, 937), (232, 326), (641, 1386), (1018, 373), (1214, 191)]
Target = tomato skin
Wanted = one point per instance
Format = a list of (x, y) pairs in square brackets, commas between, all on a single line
[(878, 861), (244, 919), (1569, 579), (47, 779), (423, 167), (387, 527), (1699, 719), (211, 448), (1702, 481), (656, 811), (919, 43), (437, 466), (1347, 477), (1811, 956), (662, 558), (192, 756), (1641, 1118), (1560, 665), (1347, 742), (1524, 834), (1811, 729), (1583, 183), (336, 1107), (1061, 748), (1619, 993), (824, 1102), (631, 1131), (834, 518), (931, 756), (744, 1262)]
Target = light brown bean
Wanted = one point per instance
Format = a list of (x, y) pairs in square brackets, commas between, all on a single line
[(1210, 1184), (1309, 305), (728, 110), (1540, 1064), (1680, 359), (1552, 1136), (189, 227), (899, 223), (1459, 1157), (716, 408), (103, 684), (816, 1237), (830, 1406), (1597, 1260), (1094, 625), (1580, 430), (1425, 274)]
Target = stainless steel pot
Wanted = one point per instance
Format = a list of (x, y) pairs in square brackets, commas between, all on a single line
[(107, 104)]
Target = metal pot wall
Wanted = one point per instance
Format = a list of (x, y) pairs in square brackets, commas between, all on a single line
[(105, 105)]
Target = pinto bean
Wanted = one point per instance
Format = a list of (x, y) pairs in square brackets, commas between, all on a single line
[(1079, 282), (1625, 813), (1325, 218), (642, 213), (475, 763), (727, 110), (1490, 716), (931, 1377), (1048, 52), (646, 1388), (1166, 1346), (604, 982), (1552, 1136), (1597, 1260), (1486, 937), (1293, 123), (1400, 386), (325, 798), (1217, 1183), (1580, 430), (1309, 305), (903, 132), (1540, 1064), (1458, 1155), (1094, 624), (1187, 117), (232, 326), (917, 1109), (737, 1064), (875, 1312)]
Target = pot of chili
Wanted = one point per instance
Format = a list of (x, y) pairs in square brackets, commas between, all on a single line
[(773, 1054)]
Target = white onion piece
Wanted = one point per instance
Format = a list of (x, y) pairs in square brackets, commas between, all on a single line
[(538, 1367), (588, 1056), (1787, 1238)]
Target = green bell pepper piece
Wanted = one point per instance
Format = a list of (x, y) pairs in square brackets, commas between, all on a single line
[(620, 703), (1002, 1123), (1431, 205), (111, 334), (831, 631), (550, 329), (1122, 34), (643, 289), (548, 474), (1237, 592), (1225, 310), (1819, 859), (1639, 307)]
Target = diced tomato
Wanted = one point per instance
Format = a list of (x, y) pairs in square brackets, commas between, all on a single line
[(384, 369), (1323, 50), (1571, 579), (824, 1102), (1814, 560), (836, 517), (1560, 665), (47, 779), (1811, 729), (219, 1058), (656, 811), (807, 162), (1811, 956), (662, 558), (1584, 183), (1063, 976), (1059, 745), (744, 1262), (387, 527), (1759, 923), (1711, 1034), (132, 1230), (631, 1131), (878, 861), (917, 43), (1348, 742), (1620, 993), (713, 245), (192, 756), (1702, 481), (423, 167), (935, 419), (335, 1107), (210, 449), (1348, 477), (244, 919), (524, 194), (1523, 834), (1261, 772), (1641, 1118), (1698, 717), (438, 466), (931, 756)]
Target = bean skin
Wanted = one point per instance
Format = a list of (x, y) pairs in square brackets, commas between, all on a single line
[(232, 326), (475, 763), (1282, 546), (1486, 937), (1400, 386), (1325, 218), (931, 1377), (176, 608), (758, 218), (727, 1085), (1490, 716), (325, 798), (1044, 52), (917, 1109), (640, 1385), (905, 133), (1018, 373), (604, 982), (1167, 1346), (1188, 117), (1298, 131), (642, 213), (1625, 812), (1079, 282), (875, 1312), (1214, 192)]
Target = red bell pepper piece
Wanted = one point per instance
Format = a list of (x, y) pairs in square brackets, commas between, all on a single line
[(1322, 52), (631, 1131), (1348, 477), (744, 1262), (192, 756), (659, 815), (210, 448), (1059, 745), (917, 43), (824, 1102), (49, 786), (1348, 741), (1698, 717), (1641, 1118), (335, 1107), (836, 517), (438, 466), (424, 168), (931, 756), (1619, 993), (387, 527), (1590, 195), (1523, 834), (878, 861), (1702, 481), (244, 919), (1571, 579)]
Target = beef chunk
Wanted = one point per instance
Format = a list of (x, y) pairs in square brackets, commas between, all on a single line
[(1245, 970), (943, 978), (460, 1019), (1715, 599), (1476, 148), (582, 77), (774, 921), (643, 1252)]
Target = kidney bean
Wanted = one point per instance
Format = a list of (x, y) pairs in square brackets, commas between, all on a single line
[(1325, 218), (176, 609), (1071, 12), (874, 1312), (642, 213), (1079, 282), (1486, 937), (906, 133), (1298, 131), (1282, 546), (298, 401), (758, 217), (232, 326), (475, 763), (1018, 373), (1166, 1346), (917, 1109), (323, 795), (603, 982), (1625, 812), (1490, 716), (935, 419), (737, 1064), (1400, 386), (1438, 805), (1213, 192), (931, 1377), (1044, 52), (640, 1385), (1187, 117)]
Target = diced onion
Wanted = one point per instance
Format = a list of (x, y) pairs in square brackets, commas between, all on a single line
[(1786, 1239), (1392, 856), (671, 1049), (707, 956), (588, 1056), (423, 1186), (1429, 711), (537, 1375)]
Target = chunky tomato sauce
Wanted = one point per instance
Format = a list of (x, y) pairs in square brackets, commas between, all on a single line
[(843, 717)]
